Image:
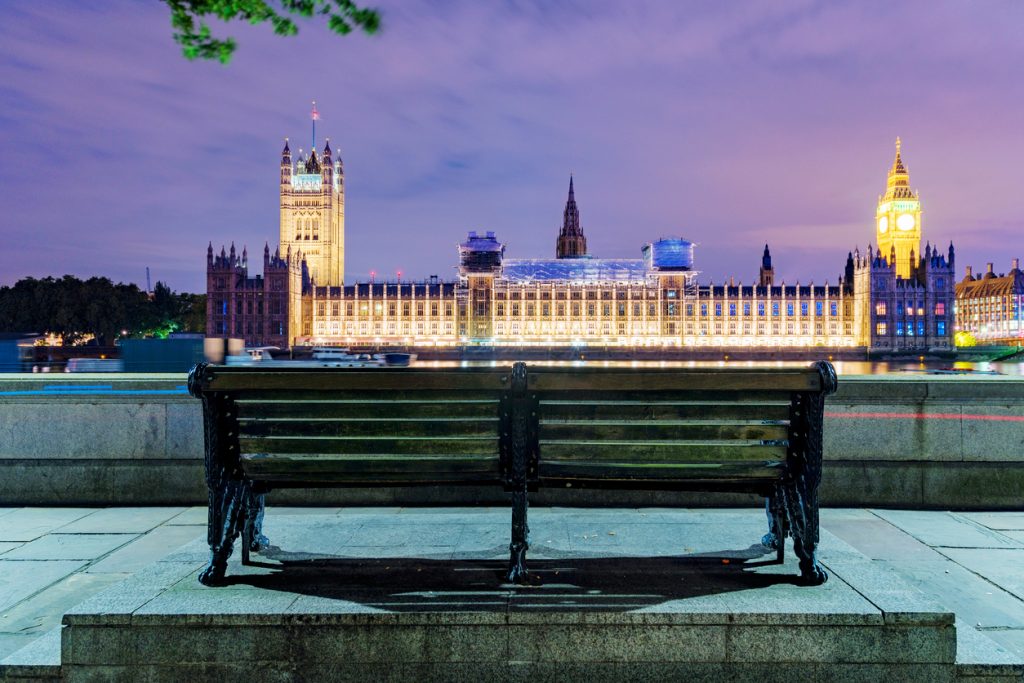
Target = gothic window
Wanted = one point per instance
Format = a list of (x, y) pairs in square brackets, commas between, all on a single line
[(940, 328), (920, 328), (819, 308), (704, 310), (321, 309), (530, 310), (760, 308), (433, 309), (834, 309), (880, 308), (789, 310), (940, 308), (591, 310), (718, 309), (803, 308), (392, 309), (775, 309), (448, 310), (336, 309), (732, 310), (746, 309)]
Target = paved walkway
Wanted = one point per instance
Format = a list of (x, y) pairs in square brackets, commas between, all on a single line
[(54, 558)]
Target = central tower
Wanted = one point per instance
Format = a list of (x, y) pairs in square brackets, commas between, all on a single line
[(571, 242), (898, 218), (313, 211)]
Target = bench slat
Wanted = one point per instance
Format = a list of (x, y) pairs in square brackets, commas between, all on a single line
[(674, 379), (662, 410), (363, 407), (661, 430), (332, 468), (580, 471), (710, 452), (292, 379), (329, 426), (298, 445), (407, 393), (630, 393)]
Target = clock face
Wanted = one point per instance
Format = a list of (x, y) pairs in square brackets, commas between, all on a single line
[(883, 224), (905, 222)]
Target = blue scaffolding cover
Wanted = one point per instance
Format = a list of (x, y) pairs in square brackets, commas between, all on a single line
[(574, 269)]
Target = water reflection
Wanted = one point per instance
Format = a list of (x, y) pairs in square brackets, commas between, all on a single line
[(843, 367)]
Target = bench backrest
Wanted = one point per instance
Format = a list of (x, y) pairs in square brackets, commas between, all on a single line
[(309, 427), (691, 428), (701, 428)]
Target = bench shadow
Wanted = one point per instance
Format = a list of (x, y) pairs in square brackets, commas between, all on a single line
[(573, 581)]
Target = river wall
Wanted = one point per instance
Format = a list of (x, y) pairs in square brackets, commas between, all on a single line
[(920, 441)]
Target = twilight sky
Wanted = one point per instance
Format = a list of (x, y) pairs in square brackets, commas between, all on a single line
[(731, 124)]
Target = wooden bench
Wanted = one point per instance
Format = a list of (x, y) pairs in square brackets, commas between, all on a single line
[(750, 430)]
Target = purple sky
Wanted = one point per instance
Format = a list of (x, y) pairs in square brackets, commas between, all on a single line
[(729, 124)]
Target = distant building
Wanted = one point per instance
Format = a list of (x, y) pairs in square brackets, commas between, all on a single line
[(989, 306), (894, 297), (263, 309)]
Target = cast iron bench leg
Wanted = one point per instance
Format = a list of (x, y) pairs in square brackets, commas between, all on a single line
[(803, 509), (253, 539), (777, 531), (223, 526), (517, 572)]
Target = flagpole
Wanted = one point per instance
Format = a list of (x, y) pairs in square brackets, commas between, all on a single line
[(313, 147)]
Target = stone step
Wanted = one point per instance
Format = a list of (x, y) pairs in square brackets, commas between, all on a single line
[(396, 604), (979, 659), (37, 662)]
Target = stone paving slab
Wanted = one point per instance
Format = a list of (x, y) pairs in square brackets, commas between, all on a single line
[(69, 547), (21, 579), (145, 550), (44, 611), (946, 530), (1003, 567), (996, 520), (28, 524), (123, 520)]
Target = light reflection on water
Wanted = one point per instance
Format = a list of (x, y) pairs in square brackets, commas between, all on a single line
[(843, 367)]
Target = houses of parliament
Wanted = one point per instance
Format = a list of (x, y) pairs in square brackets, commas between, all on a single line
[(891, 297)]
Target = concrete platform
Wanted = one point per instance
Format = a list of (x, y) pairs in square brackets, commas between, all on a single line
[(402, 593), (331, 600)]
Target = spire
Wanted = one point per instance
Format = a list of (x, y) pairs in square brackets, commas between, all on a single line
[(315, 115), (571, 242), (898, 184), (286, 153), (766, 277)]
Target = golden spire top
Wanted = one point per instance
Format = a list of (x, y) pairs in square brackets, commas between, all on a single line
[(898, 185)]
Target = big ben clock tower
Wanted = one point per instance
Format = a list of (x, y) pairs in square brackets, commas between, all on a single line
[(898, 218)]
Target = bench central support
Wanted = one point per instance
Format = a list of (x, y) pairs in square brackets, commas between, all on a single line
[(519, 467)]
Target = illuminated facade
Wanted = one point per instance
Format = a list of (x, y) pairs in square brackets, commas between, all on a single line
[(313, 213), (990, 307), (894, 298)]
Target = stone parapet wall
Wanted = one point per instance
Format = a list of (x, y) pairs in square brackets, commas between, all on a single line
[(901, 441)]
